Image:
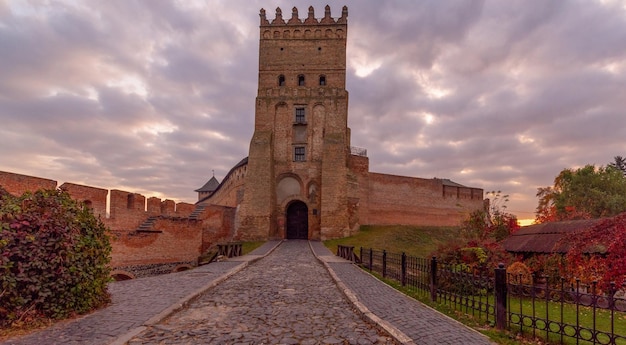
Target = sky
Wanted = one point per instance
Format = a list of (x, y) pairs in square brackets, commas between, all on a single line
[(155, 96)]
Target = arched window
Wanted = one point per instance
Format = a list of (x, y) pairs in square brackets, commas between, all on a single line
[(281, 80), (301, 80), (322, 80)]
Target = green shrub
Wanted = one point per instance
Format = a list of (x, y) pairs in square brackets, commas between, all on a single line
[(54, 256)]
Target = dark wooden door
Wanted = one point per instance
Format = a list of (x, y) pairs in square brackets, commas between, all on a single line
[(297, 221)]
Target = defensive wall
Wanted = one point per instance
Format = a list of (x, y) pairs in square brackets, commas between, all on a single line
[(148, 235), (384, 199)]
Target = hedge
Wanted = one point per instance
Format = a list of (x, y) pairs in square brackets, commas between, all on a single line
[(54, 256)]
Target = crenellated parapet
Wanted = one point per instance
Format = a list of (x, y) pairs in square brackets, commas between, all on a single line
[(309, 20)]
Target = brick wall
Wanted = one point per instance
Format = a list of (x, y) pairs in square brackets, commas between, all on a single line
[(180, 240), (17, 184), (407, 200), (95, 197), (173, 240)]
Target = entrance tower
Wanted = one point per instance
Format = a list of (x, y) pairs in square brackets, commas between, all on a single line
[(298, 160)]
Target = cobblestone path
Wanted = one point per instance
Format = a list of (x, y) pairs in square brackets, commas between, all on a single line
[(134, 302), (287, 297), (420, 323)]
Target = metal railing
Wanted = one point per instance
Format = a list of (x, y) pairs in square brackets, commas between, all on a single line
[(358, 151), (560, 312)]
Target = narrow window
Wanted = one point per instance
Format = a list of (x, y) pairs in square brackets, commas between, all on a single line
[(281, 80), (299, 154), (301, 80), (322, 80), (300, 115)]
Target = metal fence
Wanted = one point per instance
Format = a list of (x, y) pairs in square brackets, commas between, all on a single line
[(539, 306)]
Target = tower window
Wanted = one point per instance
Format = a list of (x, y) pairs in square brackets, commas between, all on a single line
[(281, 80), (322, 80), (299, 154), (300, 115), (301, 80)]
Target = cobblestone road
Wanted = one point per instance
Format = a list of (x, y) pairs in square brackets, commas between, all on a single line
[(422, 324), (286, 298), (134, 302)]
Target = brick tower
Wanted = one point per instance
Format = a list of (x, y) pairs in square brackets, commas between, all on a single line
[(297, 176)]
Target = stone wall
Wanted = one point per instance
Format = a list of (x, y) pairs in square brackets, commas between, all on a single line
[(150, 235), (416, 201), (17, 184), (171, 240)]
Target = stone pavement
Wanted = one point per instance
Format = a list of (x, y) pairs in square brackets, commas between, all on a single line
[(284, 298), (138, 302), (409, 320)]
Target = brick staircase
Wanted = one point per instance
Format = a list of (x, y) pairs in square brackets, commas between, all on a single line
[(197, 211), (148, 224)]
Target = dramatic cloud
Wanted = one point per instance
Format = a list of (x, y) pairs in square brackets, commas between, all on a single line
[(151, 96)]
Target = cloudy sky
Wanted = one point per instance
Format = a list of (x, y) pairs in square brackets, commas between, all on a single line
[(152, 96)]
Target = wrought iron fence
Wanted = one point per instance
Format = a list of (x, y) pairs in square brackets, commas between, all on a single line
[(544, 307), (559, 310)]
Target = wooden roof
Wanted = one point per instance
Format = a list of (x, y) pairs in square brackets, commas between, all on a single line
[(543, 238)]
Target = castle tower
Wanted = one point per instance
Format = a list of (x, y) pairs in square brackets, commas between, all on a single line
[(297, 178)]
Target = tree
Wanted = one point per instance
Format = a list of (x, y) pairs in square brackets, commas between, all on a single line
[(584, 193), (479, 248), (494, 223), (619, 163)]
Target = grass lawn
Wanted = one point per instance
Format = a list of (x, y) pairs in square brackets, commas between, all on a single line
[(583, 316), (423, 241), (247, 247), (418, 241)]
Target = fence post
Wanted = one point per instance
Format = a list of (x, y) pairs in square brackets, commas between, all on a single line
[(361, 254), (403, 269), (371, 258), (433, 279), (501, 290), (384, 263)]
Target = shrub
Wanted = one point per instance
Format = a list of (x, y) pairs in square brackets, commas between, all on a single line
[(519, 273), (599, 254), (54, 256)]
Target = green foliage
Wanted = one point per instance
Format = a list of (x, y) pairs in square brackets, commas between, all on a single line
[(619, 163), (495, 224), (54, 256), (584, 193), (478, 249)]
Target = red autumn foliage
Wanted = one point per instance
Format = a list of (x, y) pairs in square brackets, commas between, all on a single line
[(599, 253)]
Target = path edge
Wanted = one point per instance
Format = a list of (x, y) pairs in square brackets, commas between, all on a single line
[(395, 333), (183, 302)]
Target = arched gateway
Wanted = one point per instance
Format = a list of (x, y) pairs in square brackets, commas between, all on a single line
[(297, 221)]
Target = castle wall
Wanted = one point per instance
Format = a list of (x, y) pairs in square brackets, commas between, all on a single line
[(217, 225), (17, 184), (408, 200), (95, 197), (174, 240), (230, 192), (179, 240), (358, 191)]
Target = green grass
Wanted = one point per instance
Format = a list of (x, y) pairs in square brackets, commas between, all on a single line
[(585, 319), (423, 241), (247, 247), (412, 240)]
